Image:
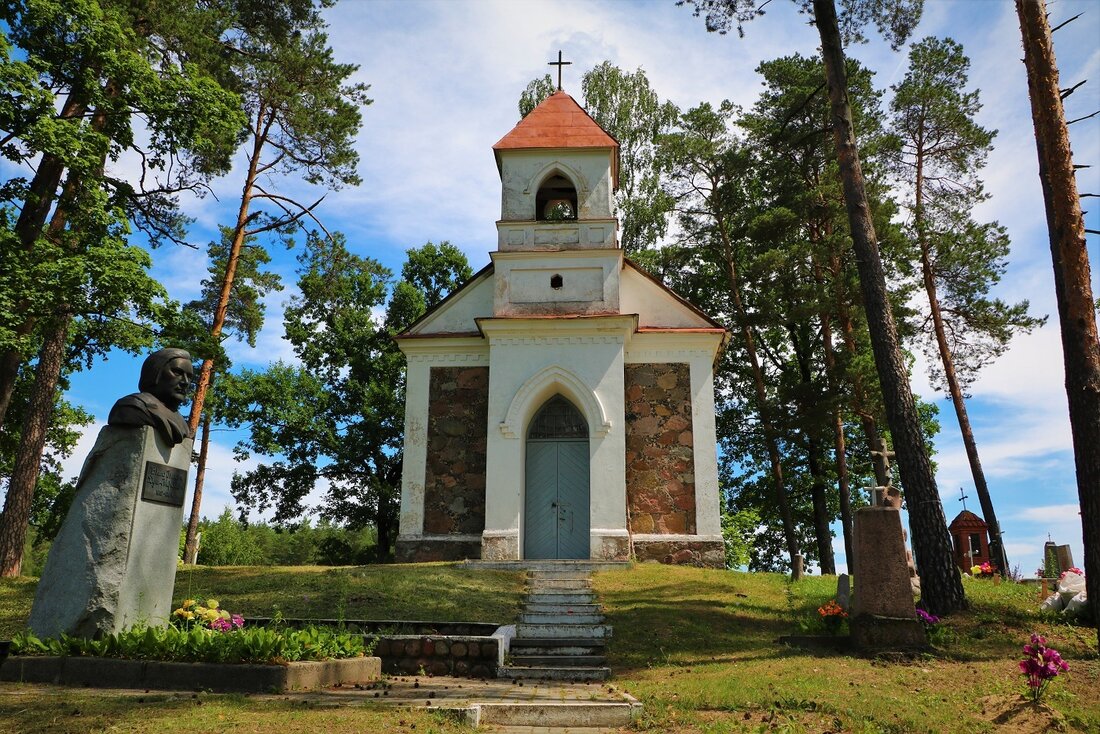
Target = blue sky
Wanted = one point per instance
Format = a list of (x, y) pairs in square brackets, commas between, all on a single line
[(445, 77)]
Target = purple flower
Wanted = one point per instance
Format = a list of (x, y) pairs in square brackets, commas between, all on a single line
[(237, 620), (926, 618), (1041, 665), (221, 625)]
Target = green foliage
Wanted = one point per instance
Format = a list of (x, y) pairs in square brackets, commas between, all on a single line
[(939, 151), (249, 644), (226, 542), (738, 530), (344, 428), (229, 542)]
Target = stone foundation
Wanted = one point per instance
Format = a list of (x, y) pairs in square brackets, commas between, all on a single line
[(425, 548), (464, 657), (704, 553), (454, 479), (503, 546), (660, 460)]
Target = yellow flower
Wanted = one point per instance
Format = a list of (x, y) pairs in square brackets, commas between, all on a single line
[(212, 603), (975, 570), (223, 614), (188, 604), (187, 614)]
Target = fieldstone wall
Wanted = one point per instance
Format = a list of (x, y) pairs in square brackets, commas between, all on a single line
[(660, 461), (467, 657), (708, 554), (454, 482)]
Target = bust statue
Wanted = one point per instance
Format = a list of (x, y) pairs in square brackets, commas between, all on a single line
[(164, 384)]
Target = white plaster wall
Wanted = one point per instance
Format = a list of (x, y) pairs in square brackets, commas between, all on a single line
[(457, 315), (522, 171), (698, 350), (593, 355), (653, 304), (590, 282), (421, 356)]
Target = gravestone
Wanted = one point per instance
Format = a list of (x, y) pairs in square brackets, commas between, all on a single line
[(843, 591), (883, 617), (113, 563)]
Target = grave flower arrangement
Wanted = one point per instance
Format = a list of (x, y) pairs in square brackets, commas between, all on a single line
[(832, 615), (984, 570), (212, 616), (1041, 665)]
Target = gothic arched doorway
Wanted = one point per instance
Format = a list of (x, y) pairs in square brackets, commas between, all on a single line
[(556, 504)]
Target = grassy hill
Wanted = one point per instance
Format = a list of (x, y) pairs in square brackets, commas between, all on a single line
[(698, 647)]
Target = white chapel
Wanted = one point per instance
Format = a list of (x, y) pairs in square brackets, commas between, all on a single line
[(560, 404)]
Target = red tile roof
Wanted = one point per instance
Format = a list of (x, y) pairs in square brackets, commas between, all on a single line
[(558, 122)]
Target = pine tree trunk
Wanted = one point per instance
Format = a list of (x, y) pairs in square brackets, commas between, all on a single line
[(941, 584), (762, 399), (822, 534), (191, 546), (839, 447), (996, 544), (32, 442), (206, 373), (1072, 276)]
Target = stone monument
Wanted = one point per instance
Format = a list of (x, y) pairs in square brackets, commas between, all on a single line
[(113, 563), (883, 614)]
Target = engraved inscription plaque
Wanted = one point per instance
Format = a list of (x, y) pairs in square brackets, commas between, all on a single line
[(164, 484)]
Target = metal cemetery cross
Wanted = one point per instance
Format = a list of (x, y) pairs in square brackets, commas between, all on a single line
[(559, 63)]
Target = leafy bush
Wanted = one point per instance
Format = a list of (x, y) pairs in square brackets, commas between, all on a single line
[(258, 645), (229, 542)]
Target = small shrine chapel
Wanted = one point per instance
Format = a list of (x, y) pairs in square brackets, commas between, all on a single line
[(560, 403)]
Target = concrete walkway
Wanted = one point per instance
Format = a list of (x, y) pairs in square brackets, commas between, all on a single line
[(523, 703), (499, 706)]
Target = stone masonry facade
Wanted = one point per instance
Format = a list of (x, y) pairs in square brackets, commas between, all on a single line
[(660, 461), (454, 480)]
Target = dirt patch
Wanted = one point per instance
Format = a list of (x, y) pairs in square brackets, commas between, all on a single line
[(1020, 715)]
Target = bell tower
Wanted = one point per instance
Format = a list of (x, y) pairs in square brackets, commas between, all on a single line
[(557, 250)]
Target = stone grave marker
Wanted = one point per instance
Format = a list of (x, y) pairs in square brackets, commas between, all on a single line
[(883, 614)]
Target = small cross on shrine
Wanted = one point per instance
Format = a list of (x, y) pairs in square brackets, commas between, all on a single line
[(963, 497), (559, 63)]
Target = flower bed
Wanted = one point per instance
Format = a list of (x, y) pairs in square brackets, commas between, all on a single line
[(205, 647)]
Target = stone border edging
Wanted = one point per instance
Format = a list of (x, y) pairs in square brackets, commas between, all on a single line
[(99, 672)]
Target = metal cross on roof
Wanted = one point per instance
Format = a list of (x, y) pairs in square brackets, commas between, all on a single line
[(559, 63), (962, 498)]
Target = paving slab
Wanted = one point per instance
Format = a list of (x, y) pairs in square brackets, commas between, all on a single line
[(540, 706)]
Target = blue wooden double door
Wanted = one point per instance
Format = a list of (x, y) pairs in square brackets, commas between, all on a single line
[(556, 505)]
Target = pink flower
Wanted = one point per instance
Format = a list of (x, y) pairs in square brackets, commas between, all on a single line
[(237, 621), (221, 625)]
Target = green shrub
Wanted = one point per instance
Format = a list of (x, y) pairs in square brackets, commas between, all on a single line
[(258, 645)]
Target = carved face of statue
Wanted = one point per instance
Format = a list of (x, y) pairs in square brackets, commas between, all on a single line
[(174, 382)]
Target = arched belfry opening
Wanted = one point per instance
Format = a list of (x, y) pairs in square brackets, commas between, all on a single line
[(557, 498), (556, 199)]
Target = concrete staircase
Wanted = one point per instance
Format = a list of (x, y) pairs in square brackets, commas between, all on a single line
[(560, 635)]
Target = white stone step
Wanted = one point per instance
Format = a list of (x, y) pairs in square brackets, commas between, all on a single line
[(563, 714), (557, 608), (554, 618), (564, 597), (554, 673), (542, 586), (577, 631)]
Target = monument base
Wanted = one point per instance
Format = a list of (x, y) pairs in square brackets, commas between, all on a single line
[(872, 633), (113, 563)]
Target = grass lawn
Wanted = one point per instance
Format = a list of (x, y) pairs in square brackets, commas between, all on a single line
[(698, 647)]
